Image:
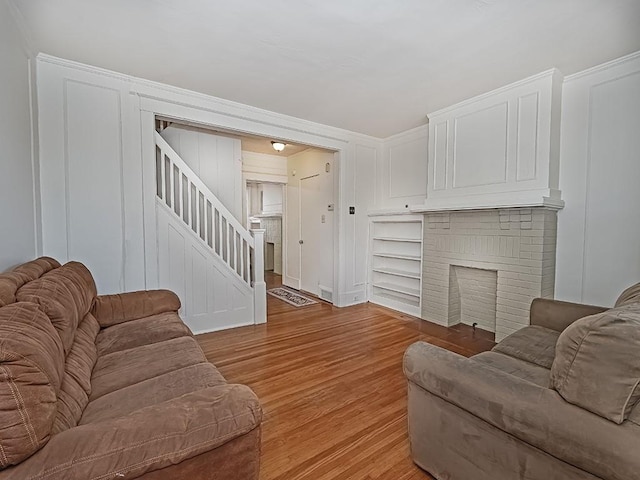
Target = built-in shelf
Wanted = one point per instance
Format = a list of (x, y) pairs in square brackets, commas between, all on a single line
[(398, 239), (395, 280), (414, 292), (396, 272), (417, 258)]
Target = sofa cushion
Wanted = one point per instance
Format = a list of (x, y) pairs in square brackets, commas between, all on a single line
[(8, 287), (514, 366), (10, 282), (152, 391), (143, 331), (31, 363), (122, 307), (148, 439), (127, 367), (65, 294), (597, 365), (630, 296), (532, 344), (76, 386)]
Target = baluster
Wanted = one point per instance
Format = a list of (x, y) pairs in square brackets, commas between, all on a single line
[(168, 190), (229, 230), (201, 225), (236, 242), (216, 231), (242, 257), (159, 180), (209, 224), (177, 197), (194, 214), (219, 233), (247, 262), (185, 198), (223, 233)]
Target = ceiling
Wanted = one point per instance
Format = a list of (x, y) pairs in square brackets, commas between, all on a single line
[(376, 67), (262, 145)]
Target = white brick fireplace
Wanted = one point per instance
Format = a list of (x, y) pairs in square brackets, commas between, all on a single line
[(492, 197), (513, 251)]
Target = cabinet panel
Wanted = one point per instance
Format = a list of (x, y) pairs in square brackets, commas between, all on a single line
[(480, 147), (527, 149), (497, 150)]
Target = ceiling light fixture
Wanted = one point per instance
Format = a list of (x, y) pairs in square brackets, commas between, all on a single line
[(278, 146)]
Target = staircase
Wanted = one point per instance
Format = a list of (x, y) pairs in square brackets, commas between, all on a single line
[(205, 255)]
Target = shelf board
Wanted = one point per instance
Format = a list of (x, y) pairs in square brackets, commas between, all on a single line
[(389, 300), (396, 272), (401, 257), (413, 292), (398, 239)]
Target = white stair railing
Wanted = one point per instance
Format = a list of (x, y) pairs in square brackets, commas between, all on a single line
[(182, 191)]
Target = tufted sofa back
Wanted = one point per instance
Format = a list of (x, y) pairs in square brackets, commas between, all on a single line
[(47, 353)]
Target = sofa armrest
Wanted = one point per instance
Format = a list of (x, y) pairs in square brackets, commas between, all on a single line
[(558, 315), (113, 309), (533, 414), (146, 440)]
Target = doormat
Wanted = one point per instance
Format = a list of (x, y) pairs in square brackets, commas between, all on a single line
[(292, 298)]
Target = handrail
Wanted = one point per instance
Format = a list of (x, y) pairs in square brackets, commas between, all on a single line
[(199, 184)]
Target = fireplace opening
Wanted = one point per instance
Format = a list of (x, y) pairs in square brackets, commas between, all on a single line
[(472, 297)]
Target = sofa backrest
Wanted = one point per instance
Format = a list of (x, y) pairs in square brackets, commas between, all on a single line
[(11, 281), (630, 296), (64, 296), (31, 372), (597, 362)]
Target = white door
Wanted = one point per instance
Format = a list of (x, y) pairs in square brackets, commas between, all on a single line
[(311, 211)]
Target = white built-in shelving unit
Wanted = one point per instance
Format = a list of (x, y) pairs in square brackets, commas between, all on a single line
[(396, 262)]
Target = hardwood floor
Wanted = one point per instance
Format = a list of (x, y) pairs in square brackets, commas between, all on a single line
[(331, 385)]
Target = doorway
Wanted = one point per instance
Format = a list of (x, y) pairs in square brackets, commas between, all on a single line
[(310, 234), (310, 223), (265, 202)]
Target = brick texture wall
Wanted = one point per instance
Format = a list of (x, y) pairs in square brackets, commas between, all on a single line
[(472, 297), (518, 244)]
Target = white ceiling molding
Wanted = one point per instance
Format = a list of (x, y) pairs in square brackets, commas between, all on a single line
[(376, 69)]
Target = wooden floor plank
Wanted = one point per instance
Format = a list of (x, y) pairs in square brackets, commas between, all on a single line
[(331, 386)]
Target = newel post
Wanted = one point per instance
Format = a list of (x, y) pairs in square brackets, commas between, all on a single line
[(259, 286)]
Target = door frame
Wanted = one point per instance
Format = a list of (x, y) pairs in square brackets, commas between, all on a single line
[(245, 207), (150, 106)]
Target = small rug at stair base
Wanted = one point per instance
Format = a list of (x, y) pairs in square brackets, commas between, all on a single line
[(292, 298)]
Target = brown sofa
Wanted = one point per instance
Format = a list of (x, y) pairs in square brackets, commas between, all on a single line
[(555, 400), (110, 387)]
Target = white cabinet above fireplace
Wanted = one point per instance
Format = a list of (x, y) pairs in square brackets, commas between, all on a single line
[(497, 150)]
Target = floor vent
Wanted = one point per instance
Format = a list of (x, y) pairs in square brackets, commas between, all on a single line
[(326, 294)]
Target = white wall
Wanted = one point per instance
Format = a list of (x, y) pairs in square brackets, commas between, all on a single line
[(271, 198), (598, 251), (262, 167), (17, 209), (305, 164), (216, 159), (89, 185), (99, 193)]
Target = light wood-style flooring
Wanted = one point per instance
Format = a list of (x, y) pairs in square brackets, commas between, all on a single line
[(331, 386)]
